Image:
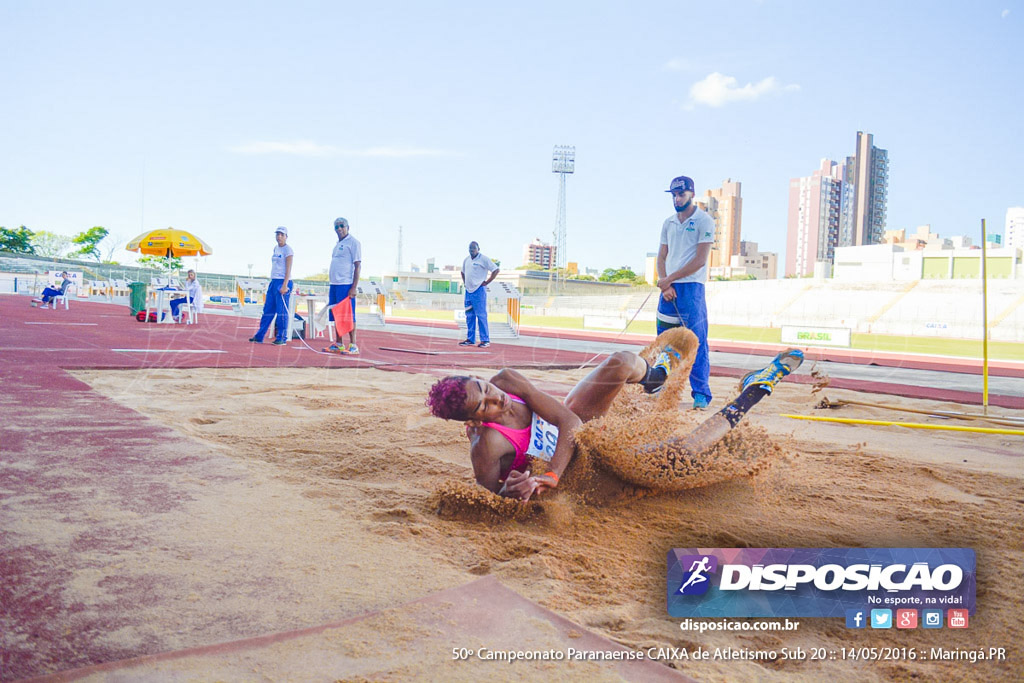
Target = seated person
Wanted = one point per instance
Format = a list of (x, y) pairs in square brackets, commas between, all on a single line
[(193, 295), (508, 418), (50, 293)]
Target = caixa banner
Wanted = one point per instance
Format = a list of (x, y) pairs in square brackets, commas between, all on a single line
[(816, 582)]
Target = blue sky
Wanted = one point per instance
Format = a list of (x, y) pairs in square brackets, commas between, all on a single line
[(230, 118)]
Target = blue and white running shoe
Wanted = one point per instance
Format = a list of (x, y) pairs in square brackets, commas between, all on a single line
[(767, 377)]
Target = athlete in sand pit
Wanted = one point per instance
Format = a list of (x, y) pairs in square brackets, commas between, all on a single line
[(508, 419)]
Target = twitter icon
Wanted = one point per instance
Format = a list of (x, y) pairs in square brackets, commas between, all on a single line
[(881, 618)]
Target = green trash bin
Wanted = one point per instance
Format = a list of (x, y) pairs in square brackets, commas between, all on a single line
[(138, 297)]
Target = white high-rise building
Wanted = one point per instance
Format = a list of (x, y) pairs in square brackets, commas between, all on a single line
[(1013, 236), (813, 226)]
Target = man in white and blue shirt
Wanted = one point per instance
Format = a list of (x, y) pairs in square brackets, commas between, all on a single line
[(346, 262), (686, 239), (276, 306), (478, 271)]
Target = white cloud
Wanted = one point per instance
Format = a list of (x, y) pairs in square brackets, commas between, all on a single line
[(308, 148), (679, 64), (718, 89), (396, 152), (1005, 13), (304, 148)]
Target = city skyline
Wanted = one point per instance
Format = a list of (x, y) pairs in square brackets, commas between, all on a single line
[(233, 120), (838, 205)]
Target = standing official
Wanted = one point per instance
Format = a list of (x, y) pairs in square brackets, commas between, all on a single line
[(686, 239), (346, 262), (478, 271), (276, 308)]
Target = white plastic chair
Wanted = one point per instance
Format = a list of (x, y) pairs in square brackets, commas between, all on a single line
[(190, 308), (65, 297)]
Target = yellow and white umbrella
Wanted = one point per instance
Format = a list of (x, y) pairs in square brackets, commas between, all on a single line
[(169, 242)]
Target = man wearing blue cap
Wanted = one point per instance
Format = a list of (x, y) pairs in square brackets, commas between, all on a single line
[(686, 239)]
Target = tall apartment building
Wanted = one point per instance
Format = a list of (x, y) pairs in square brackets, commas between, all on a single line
[(538, 253), (725, 206), (814, 221), (1013, 235), (869, 168)]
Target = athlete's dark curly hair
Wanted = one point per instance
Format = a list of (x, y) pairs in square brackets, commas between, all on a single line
[(447, 398)]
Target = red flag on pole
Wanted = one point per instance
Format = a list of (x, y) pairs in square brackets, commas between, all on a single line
[(343, 321)]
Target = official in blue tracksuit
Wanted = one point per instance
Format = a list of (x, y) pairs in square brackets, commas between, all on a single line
[(686, 239), (275, 308), (478, 271)]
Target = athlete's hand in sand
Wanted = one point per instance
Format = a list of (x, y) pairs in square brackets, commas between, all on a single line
[(519, 485), (544, 483)]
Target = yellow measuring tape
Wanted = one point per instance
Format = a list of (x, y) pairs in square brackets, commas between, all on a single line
[(911, 425)]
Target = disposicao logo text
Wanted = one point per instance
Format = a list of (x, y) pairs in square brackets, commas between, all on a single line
[(777, 582)]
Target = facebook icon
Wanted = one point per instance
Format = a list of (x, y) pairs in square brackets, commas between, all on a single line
[(855, 618)]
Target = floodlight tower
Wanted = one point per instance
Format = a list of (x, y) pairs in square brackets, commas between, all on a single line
[(563, 162), (398, 260)]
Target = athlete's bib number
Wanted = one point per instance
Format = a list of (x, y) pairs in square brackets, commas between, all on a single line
[(543, 437)]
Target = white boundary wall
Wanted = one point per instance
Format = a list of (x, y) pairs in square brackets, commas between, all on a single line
[(932, 308)]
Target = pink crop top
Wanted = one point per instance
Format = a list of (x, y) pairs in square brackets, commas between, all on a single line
[(520, 440)]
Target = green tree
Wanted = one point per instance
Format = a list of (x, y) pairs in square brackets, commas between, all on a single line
[(161, 262), (622, 274), (50, 244), (89, 241), (529, 266), (18, 241)]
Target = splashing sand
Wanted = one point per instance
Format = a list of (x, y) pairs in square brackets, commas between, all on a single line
[(631, 452)]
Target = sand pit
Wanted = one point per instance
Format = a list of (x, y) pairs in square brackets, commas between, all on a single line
[(362, 450)]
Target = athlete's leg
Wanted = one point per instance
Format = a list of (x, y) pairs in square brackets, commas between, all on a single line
[(756, 385), (594, 394)]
